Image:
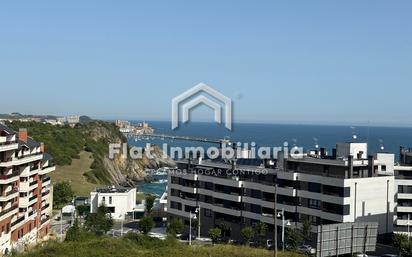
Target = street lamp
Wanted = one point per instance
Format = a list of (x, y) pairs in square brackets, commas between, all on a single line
[(197, 211), (408, 224), (191, 216), (287, 223)]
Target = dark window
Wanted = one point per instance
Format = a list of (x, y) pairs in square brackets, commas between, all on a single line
[(208, 212)]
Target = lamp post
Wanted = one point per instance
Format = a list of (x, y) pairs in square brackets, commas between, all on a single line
[(284, 222), (197, 211), (190, 226)]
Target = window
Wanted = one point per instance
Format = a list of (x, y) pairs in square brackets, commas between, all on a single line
[(208, 213), (103, 199), (110, 200), (314, 204), (383, 168)]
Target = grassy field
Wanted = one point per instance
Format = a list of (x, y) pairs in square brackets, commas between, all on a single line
[(74, 174), (120, 247)]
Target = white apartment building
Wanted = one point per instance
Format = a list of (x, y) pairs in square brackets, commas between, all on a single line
[(25, 190), (346, 186), (403, 183), (119, 200)]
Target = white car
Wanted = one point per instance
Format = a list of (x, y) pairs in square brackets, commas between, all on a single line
[(361, 255)]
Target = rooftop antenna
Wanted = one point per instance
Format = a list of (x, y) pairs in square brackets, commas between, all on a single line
[(382, 147), (316, 142), (354, 136)]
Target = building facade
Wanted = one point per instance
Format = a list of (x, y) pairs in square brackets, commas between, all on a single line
[(25, 190), (119, 200), (403, 183), (346, 186)]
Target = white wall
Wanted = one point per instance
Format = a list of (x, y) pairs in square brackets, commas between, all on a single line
[(371, 205)]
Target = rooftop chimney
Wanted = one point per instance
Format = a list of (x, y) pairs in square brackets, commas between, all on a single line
[(23, 134), (42, 147)]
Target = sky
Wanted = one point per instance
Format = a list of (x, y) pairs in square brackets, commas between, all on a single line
[(279, 61)]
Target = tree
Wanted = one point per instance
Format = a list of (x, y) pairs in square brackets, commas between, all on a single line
[(146, 224), (306, 230), (247, 234), (260, 231), (62, 194), (174, 227), (225, 228), (293, 237), (150, 199), (99, 222), (77, 233), (401, 242), (83, 210), (214, 234)]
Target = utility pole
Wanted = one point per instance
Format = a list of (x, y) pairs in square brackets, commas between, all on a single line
[(275, 222), (190, 228), (198, 222)]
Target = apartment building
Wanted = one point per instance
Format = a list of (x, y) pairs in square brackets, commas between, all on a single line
[(119, 200), (403, 183), (346, 186), (25, 190)]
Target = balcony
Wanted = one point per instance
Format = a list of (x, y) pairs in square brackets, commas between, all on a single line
[(44, 219), (47, 170), (46, 179), (8, 147), (32, 200), (45, 193), (9, 195), (8, 212), (47, 205), (17, 222), (9, 178), (21, 160), (404, 208)]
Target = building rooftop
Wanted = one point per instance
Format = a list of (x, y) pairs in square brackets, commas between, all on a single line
[(113, 189), (30, 143), (6, 129)]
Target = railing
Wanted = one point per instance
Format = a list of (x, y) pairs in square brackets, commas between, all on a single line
[(10, 192), (8, 210), (33, 183), (32, 198), (46, 179), (45, 193), (13, 174), (45, 206), (43, 220), (17, 221)]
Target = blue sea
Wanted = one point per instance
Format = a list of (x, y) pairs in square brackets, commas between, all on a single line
[(380, 139)]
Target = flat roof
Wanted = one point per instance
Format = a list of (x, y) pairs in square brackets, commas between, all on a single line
[(113, 189)]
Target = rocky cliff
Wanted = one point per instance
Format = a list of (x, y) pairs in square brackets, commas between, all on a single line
[(122, 169)]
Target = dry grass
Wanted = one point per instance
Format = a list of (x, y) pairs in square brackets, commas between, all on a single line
[(74, 174)]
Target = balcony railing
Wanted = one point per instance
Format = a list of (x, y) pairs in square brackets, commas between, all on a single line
[(8, 210), (13, 174), (45, 193), (33, 183), (46, 179), (45, 206)]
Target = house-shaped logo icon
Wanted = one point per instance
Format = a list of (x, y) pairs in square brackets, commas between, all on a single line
[(209, 101)]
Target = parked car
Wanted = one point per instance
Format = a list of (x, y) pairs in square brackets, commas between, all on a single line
[(361, 255), (389, 255), (307, 249)]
